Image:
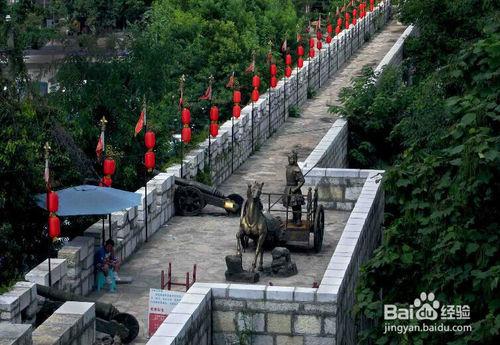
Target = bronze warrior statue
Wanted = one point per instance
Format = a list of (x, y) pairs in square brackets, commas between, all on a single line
[(293, 195)]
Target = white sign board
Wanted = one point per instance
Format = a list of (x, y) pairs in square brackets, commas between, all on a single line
[(161, 303)]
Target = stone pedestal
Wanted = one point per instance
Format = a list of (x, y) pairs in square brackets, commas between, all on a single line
[(236, 273)]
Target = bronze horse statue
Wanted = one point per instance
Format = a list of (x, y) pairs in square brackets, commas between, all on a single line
[(255, 224)]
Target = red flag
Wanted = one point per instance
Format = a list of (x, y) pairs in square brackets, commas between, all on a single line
[(208, 93), (230, 83), (250, 68), (284, 46), (100, 146), (141, 121)]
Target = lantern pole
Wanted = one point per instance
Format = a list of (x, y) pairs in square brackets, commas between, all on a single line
[(232, 132), (337, 52), (254, 68), (319, 52), (182, 79), (284, 90), (270, 43), (47, 149), (145, 176), (210, 82), (103, 123), (297, 77)]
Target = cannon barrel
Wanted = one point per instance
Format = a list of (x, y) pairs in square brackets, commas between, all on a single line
[(104, 311), (202, 187)]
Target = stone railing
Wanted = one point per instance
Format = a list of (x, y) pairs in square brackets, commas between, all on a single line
[(395, 55), (19, 304)]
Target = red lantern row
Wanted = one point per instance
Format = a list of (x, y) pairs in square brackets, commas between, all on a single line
[(214, 117), (186, 130), (237, 101)]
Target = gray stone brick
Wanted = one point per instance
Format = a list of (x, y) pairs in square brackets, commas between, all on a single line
[(254, 322), (319, 341), (307, 324)]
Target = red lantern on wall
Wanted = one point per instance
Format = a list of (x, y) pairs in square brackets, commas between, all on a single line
[(273, 82), (288, 59), (109, 166), (236, 110), (329, 28), (54, 226), (149, 160), (288, 71), (311, 43), (149, 140), (300, 51), (256, 81), (319, 45), (185, 116), (319, 35), (347, 18), (52, 202), (300, 62), (214, 113), (337, 30), (255, 95), (273, 70), (186, 134), (328, 39), (339, 22), (236, 96), (214, 129), (311, 53)]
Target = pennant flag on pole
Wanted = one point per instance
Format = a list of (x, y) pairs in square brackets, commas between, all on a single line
[(250, 68), (208, 93), (230, 83), (142, 119), (284, 46), (100, 145)]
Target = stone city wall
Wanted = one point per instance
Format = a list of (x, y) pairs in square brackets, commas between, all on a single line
[(19, 304), (395, 55)]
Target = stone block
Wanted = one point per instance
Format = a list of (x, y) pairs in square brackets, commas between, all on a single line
[(15, 334), (330, 326), (319, 340), (307, 324), (289, 340), (223, 321), (302, 294), (279, 293), (85, 310), (254, 322), (262, 340), (279, 323), (246, 291), (320, 308), (228, 304), (277, 307)]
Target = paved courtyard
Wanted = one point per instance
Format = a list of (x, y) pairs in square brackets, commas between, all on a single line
[(208, 238)]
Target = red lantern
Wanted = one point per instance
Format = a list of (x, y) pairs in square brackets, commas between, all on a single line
[(106, 181), (354, 13), (319, 35), (186, 135), (109, 166), (186, 116), (149, 160), (372, 5), (149, 140), (214, 129), (256, 81), (300, 62), (52, 202), (311, 42), (288, 71), (236, 110), (329, 28), (337, 30), (255, 95), (328, 39), (311, 53), (347, 23), (274, 82), (300, 51), (54, 226), (273, 70), (339, 22), (288, 59), (236, 96), (214, 113), (319, 45)]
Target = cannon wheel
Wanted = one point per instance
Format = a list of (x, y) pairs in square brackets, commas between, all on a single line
[(319, 228), (188, 201), (238, 199), (131, 323)]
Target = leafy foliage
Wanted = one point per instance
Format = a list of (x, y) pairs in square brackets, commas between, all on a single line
[(441, 226)]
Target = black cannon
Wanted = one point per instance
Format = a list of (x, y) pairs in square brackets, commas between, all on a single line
[(191, 197), (109, 320)]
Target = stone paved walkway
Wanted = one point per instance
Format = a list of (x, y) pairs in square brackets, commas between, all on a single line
[(206, 239)]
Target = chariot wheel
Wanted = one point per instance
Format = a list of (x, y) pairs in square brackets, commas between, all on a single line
[(131, 323), (319, 228), (188, 201)]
